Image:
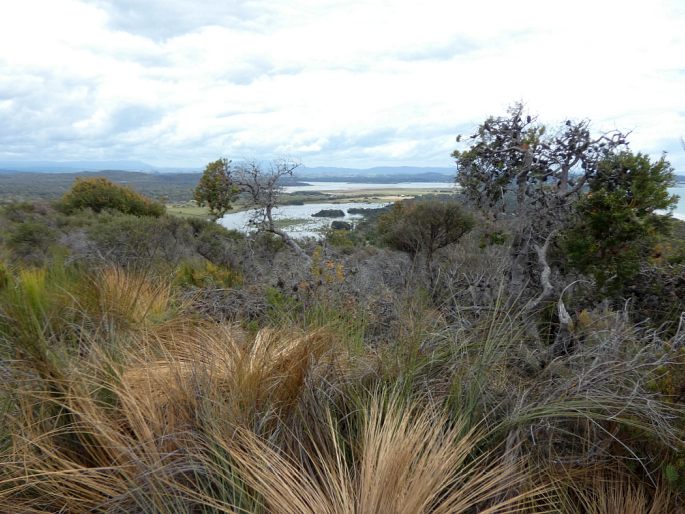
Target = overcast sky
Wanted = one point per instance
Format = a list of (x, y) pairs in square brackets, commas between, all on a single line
[(356, 83)]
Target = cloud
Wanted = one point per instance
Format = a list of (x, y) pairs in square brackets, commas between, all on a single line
[(331, 82)]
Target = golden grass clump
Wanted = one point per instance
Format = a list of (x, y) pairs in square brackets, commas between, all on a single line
[(124, 430), (132, 296), (409, 459)]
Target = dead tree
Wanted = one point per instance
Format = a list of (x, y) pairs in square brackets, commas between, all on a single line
[(264, 190)]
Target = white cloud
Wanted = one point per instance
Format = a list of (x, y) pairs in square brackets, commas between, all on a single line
[(354, 82)]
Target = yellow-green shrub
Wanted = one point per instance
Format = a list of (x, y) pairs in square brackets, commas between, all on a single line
[(99, 193)]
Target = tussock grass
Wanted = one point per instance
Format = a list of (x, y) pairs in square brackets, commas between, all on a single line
[(408, 459), (612, 491), (137, 298), (115, 399)]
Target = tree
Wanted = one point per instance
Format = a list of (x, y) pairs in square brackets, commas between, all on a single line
[(616, 226), (216, 189), (99, 193), (424, 226), (516, 167), (263, 189)]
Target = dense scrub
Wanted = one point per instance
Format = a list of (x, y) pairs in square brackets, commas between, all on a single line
[(99, 193), (157, 364)]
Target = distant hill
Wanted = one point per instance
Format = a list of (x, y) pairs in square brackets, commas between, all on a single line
[(303, 171), (73, 166), (51, 185), (378, 174)]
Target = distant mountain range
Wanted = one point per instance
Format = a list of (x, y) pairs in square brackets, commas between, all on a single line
[(73, 166), (382, 174), (404, 172)]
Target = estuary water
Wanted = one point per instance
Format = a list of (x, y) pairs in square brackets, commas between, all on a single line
[(679, 211), (297, 220)]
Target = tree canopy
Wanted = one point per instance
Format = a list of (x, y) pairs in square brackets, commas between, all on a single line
[(616, 225), (424, 226), (216, 188), (564, 184)]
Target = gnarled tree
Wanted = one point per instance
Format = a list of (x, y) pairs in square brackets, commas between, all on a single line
[(263, 189), (518, 169)]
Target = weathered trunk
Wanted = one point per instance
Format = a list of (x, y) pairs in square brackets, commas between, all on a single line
[(284, 236), (563, 180), (518, 273)]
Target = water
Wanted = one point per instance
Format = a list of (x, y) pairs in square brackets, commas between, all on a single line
[(313, 227), (356, 186), (679, 211), (310, 226)]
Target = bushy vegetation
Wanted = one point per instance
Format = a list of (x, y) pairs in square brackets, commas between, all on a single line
[(617, 227), (99, 193), (424, 226), (163, 364)]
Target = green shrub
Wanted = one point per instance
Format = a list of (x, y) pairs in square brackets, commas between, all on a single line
[(4, 276), (214, 242), (127, 240), (31, 241), (424, 225), (342, 239), (207, 274), (616, 226), (18, 212), (100, 194)]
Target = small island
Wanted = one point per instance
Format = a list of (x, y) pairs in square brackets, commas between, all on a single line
[(329, 213)]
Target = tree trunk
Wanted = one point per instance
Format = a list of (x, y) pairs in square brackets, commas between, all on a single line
[(283, 235)]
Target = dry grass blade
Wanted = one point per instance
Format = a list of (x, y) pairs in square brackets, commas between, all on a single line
[(409, 460)]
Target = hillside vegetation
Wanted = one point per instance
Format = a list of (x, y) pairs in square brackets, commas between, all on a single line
[(153, 363)]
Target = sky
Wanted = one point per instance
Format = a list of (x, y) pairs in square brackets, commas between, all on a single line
[(355, 83)]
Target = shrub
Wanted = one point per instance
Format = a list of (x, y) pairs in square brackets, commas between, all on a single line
[(100, 194), (617, 227), (4, 276), (419, 226), (127, 240), (343, 239), (30, 241), (424, 226), (207, 274)]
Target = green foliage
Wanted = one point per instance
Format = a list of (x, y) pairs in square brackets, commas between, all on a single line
[(30, 241), (344, 240), (4, 275), (131, 241), (424, 226), (617, 227), (216, 189), (100, 194), (18, 212), (495, 237), (207, 274)]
